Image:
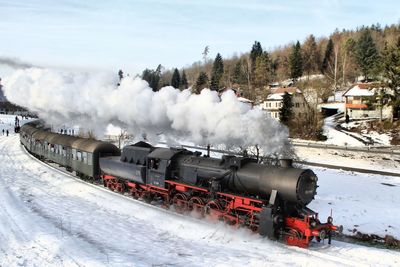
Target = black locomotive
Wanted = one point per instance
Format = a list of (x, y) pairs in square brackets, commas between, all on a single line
[(271, 200)]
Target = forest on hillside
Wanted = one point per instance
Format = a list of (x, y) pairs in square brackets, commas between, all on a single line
[(338, 60)]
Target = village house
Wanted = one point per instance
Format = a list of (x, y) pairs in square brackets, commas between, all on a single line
[(274, 102), (360, 102)]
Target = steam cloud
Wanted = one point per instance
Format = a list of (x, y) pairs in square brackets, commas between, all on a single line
[(93, 100)]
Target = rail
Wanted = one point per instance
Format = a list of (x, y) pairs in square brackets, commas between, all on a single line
[(369, 149)]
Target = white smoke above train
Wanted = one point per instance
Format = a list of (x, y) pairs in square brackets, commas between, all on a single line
[(94, 100)]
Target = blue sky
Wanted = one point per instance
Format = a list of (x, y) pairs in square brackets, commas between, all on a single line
[(133, 35)]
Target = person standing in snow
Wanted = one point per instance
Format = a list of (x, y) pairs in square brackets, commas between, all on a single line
[(7, 132), (3, 131)]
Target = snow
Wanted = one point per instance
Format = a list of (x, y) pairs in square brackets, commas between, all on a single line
[(378, 138), (357, 91), (336, 137), (365, 202), (7, 122), (50, 218), (337, 97)]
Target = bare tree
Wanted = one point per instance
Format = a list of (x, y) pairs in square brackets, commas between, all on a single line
[(205, 53)]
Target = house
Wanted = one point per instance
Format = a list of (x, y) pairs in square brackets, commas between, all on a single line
[(357, 95), (275, 101), (360, 101)]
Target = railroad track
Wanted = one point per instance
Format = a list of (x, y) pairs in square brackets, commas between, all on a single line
[(368, 149)]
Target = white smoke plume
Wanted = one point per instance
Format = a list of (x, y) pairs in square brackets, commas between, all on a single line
[(94, 100)]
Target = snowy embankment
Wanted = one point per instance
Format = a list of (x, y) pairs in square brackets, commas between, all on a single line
[(360, 202), (49, 218)]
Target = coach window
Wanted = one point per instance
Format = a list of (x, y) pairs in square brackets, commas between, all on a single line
[(84, 157), (78, 155), (74, 154), (90, 158), (64, 151)]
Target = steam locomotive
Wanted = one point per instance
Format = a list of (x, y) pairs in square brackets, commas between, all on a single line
[(270, 200)]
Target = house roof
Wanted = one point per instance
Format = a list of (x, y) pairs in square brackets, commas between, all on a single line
[(361, 89), (244, 100), (283, 90), (278, 93)]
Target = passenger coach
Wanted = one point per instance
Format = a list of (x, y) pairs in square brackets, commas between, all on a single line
[(74, 153)]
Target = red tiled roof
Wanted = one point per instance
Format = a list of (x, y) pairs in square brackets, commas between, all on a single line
[(363, 85), (282, 90)]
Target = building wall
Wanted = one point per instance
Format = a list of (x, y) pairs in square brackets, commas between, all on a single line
[(299, 108), (362, 114)]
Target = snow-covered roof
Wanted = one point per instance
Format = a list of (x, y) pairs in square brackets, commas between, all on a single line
[(275, 97), (244, 100), (278, 93), (361, 89)]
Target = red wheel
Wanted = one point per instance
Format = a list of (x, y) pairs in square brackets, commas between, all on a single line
[(214, 209), (197, 205), (292, 235), (295, 238), (180, 202)]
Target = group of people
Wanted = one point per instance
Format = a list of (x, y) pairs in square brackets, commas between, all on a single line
[(6, 131)]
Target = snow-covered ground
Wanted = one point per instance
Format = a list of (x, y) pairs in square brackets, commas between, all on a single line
[(347, 138), (336, 137), (352, 159), (49, 218), (377, 138), (364, 202)]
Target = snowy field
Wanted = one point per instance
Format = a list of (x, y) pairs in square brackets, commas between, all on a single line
[(49, 218), (352, 159)]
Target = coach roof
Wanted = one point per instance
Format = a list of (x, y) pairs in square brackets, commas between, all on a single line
[(91, 145)]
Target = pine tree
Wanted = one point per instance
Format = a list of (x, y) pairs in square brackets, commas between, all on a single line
[(296, 62), (217, 72), (285, 112), (201, 82), (366, 54), (262, 73), (184, 83), (176, 79), (311, 56), (238, 75), (255, 52), (153, 77), (391, 71), (328, 58)]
